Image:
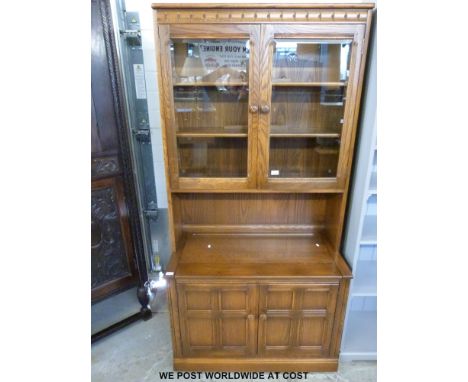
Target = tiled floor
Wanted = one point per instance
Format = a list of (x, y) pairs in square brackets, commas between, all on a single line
[(140, 351)]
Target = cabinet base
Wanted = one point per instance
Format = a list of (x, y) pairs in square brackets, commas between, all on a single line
[(256, 364)]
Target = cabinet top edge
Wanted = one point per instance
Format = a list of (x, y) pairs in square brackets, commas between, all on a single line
[(263, 6)]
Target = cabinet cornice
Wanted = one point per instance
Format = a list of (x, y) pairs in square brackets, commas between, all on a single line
[(261, 15)]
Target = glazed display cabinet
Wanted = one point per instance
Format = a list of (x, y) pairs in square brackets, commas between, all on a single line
[(260, 106)]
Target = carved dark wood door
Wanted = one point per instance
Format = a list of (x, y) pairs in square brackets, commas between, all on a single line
[(113, 263)]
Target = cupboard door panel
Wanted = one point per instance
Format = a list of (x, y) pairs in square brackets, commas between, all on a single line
[(198, 300), (217, 320), (200, 332), (280, 299), (296, 319), (234, 300), (315, 298), (310, 331), (234, 332), (278, 332)]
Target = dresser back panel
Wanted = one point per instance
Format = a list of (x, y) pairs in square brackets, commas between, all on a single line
[(252, 209)]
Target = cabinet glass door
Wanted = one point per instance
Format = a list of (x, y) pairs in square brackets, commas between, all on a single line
[(210, 87), (307, 107), (309, 81), (305, 112)]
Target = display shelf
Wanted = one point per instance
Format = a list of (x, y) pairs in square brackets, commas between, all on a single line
[(308, 84), (305, 135), (195, 84), (289, 255), (227, 131), (211, 135), (292, 131), (365, 278)]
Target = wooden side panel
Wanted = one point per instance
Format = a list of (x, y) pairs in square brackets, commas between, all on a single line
[(174, 312), (340, 318), (334, 220), (338, 210), (165, 93)]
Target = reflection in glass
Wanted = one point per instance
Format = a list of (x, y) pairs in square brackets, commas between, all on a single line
[(211, 95), (210, 61), (311, 61)]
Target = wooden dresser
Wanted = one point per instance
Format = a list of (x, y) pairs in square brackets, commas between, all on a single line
[(260, 105)]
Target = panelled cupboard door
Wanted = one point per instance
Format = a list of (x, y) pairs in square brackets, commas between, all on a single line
[(296, 320), (209, 95), (309, 81), (218, 320)]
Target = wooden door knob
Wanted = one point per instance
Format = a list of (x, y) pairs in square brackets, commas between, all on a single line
[(253, 108), (265, 109), (263, 317), (250, 316)]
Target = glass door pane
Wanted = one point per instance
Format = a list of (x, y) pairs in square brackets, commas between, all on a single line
[(309, 82), (210, 87)]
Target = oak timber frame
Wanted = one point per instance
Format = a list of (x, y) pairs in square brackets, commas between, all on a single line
[(271, 293)]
